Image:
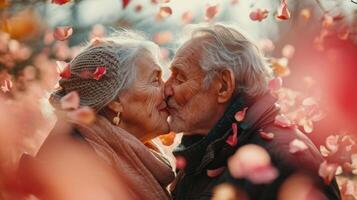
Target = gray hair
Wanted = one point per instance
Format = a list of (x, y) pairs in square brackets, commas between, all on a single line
[(224, 47), (118, 54)]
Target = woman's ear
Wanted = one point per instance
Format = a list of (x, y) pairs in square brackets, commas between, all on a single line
[(115, 106), (227, 85)]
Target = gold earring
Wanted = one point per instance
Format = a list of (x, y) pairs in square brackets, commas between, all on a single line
[(116, 120)]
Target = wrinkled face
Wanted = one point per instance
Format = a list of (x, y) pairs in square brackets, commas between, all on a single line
[(192, 107), (144, 107)]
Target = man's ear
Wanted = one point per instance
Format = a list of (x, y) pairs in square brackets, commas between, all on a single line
[(115, 106), (227, 85)]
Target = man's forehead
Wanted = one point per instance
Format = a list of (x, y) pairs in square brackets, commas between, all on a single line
[(189, 54)]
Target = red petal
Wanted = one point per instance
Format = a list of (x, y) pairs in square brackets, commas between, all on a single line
[(296, 146), (70, 101), (60, 2), (259, 15), (62, 33), (327, 171), (275, 84), (211, 12), (240, 115), (125, 3), (99, 72), (283, 12), (215, 172), (163, 13), (64, 69), (138, 8), (266, 136), (83, 115), (232, 140), (180, 162)]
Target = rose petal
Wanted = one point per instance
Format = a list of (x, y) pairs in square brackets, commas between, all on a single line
[(163, 37), (167, 139), (305, 13), (283, 12), (60, 2), (83, 115), (240, 115), (187, 17), (62, 33), (259, 14), (99, 72), (215, 172), (266, 136), (180, 162), (138, 8), (328, 21), (163, 13), (327, 171), (263, 175), (332, 143), (283, 121), (70, 101), (288, 51), (296, 146), (125, 3), (324, 151), (232, 139), (6, 86), (275, 84), (211, 12), (64, 69)]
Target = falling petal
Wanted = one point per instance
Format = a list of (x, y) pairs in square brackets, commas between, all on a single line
[(62, 33), (296, 146), (240, 115), (167, 139), (266, 136), (211, 12), (99, 72), (70, 101), (332, 143), (64, 69), (288, 51), (263, 175), (324, 151), (283, 121), (305, 13), (125, 3), (328, 21), (6, 86), (232, 139), (327, 171), (283, 12), (180, 162), (280, 66), (215, 172), (187, 17), (163, 37), (234, 2), (83, 115), (164, 12), (60, 2), (138, 8), (259, 14), (275, 84)]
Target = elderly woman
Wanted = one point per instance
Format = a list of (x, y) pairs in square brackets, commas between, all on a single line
[(107, 159)]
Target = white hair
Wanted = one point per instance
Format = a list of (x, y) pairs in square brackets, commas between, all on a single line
[(127, 45), (224, 47)]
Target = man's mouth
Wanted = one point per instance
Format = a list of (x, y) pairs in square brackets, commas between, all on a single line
[(163, 107)]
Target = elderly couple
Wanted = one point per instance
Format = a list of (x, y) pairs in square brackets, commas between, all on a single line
[(214, 74)]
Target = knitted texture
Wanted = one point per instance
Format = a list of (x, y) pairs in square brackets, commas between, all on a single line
[(93, 93)]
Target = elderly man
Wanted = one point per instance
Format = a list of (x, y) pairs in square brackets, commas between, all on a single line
[(216, 73)]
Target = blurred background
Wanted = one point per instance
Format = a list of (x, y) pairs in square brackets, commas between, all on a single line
[(311, 46)]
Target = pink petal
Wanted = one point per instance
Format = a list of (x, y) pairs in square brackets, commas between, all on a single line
[(187, 17), (327, 171), (64, 69), (60, 2), (332, 143), (283, 121), (232, 140), (324, 151), (240, 115), (6, 86), (263, 175), (266, 136), (283, 12), (275, 84), (259, 15), (288, 51), (99, 72), (62, 33), (328, 21), (296, 146), (83, 115), (180, 162), (215, 172), (70, 101), (234, 2), (163, 13), (211, 12), (125, 3), (138, 8), (163, 37)]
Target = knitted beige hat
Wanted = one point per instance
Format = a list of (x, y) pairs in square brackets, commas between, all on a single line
[(93, 93)]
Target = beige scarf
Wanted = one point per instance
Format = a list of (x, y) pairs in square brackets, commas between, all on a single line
[(145, 173)]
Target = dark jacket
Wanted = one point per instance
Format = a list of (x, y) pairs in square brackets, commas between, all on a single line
[(212, 151)]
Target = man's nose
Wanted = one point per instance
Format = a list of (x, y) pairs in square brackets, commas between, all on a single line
[(168, 89)]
